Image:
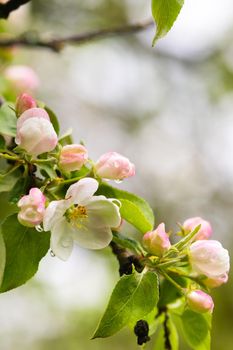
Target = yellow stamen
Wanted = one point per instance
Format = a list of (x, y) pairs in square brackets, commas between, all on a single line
[(77, 215)]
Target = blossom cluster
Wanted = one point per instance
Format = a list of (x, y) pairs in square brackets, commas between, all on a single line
[(80, 214)]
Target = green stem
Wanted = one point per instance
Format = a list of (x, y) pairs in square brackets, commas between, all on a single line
[(10, 171), (172, 281), (7, 156)]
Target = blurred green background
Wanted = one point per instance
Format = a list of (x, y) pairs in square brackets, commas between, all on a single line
[(170, 110)]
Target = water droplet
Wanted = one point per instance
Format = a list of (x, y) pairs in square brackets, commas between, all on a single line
[(118, 181), (39, 228), (52, 254)]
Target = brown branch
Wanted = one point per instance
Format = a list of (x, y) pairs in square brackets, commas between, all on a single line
[(57, 44), (9, 6)]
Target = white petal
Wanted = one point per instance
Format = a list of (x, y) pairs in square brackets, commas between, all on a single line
[(103, 211), (53, 213), (82, 191), (92, 237), (61, 239)]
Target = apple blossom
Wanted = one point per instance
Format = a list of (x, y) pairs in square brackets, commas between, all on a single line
[(205, 230), (199, 301), (114, 166), (23, 78), (32, 208), (214, 282), (82, 218), (73, 157), (24, 102), (208, 257), (35, 132), (157, 242)]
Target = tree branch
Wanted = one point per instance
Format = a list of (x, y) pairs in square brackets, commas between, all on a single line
[(57, 44), (9, 6)]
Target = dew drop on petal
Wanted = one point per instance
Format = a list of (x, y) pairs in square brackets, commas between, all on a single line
[(118, 181), (52, 254), (39, 228)]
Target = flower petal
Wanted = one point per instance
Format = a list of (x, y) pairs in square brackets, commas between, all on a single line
[(103, 210), (92, 237), (61, 239), (53, 213), (82, 191)]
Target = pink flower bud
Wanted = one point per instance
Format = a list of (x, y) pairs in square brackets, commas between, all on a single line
[(35, 132), (73, 157), (214, 282), (205, 230), (32, 208), (208, 257), (23, 78), (24, 102), (199, 301), (114, 166), (157, 242)]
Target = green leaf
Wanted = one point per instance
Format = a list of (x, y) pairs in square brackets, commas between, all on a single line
[(165, 13), (20, 188), (53, 119), (25, 247), (133, 209), (47, 170), (196, 330), (133, 298), (168, 292), (66, 138), (7, 120), (7, 182), (127, 243), (7, 208)]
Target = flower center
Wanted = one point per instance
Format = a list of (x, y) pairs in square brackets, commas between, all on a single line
[(77, 215)]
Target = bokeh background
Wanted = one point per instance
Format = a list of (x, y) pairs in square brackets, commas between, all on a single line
[(170, 110)]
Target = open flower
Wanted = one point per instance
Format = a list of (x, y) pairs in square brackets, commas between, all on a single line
[(81, 217)]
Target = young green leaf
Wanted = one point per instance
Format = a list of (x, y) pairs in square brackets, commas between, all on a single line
[(133, 209), (7, 120), (196, 330), (133, 298), (53, 119), (25, 247), (165, 13)]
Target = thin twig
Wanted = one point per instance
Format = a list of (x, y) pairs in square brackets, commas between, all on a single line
[(57, 44), (9, 6)]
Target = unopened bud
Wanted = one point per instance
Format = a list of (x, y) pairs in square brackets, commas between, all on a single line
[(157, 242), (199, 301), (24, 102), (205, 230), (114, 166), (73, 157), (32, 208)]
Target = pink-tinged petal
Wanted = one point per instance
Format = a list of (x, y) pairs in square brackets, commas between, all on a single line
[(157, 242), (61, 242), (81, 191), (205, 230), (199, 301), (99, 208), (208, 257), (73, 157), (23, 78), (32, 113), (24, 102), (54, 213), (93, 237), (114, 166), (36, 136)]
